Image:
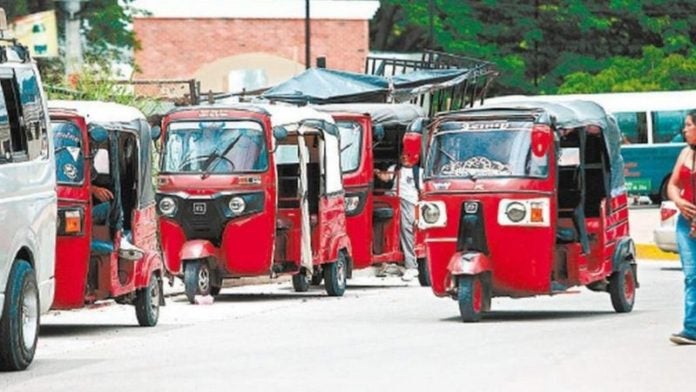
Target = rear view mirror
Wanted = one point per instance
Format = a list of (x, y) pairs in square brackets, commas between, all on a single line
[(280, 132), (412, 148), (418, 125), (98, 134), (377, 133), (155, 132)]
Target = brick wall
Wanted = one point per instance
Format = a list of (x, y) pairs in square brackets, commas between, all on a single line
[(176, 48)]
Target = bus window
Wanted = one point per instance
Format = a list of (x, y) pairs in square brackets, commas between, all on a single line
[(633, 126), (667, 125)]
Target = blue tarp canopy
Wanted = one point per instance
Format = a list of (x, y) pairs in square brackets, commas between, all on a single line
[(320, 86)]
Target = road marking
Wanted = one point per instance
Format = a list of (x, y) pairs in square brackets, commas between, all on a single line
[(652, 252)]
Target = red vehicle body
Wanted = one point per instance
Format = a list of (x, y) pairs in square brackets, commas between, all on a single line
[(91, 262), (218, 199), (371, 137), (498, 179)]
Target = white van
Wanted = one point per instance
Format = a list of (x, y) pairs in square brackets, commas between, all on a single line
[(28, 205)]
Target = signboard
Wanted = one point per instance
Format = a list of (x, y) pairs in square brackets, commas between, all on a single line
[(38, 32), (638, 185)]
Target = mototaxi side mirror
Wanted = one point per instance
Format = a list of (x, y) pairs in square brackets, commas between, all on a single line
[(377, 133), (98, 134), (155, 132), (412, 148), (280, 132), (542, 137)]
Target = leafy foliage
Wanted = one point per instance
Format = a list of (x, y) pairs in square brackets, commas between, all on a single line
[(542, 45)]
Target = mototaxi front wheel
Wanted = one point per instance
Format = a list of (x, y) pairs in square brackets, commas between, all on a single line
[(423, 273), (196, 279), (471, 298)]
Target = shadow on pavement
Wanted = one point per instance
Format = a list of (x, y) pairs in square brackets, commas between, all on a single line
[(671, 269), (57, 330), (258, 297), (534, 315)]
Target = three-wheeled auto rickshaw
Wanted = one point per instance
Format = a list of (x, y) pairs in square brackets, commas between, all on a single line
[(107, 246), (221, 197), (371, 138), (524, 199)]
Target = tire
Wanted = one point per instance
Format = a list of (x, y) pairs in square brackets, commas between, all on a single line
[(423, 273), (300, 282), (471, 298), (317, 277), (19, 327), (196, 279), (335, 276), (147, 302), (622, 288), (658, 198), (215, 290)]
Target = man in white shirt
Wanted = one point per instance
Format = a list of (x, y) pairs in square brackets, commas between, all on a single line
[(408, 187)]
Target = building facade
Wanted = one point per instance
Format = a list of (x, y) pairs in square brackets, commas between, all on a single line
[(235, 45)]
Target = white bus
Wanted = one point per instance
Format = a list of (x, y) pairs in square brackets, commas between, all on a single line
[(651, 123)]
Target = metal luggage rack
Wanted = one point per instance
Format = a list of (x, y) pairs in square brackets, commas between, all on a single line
[(470, 89)]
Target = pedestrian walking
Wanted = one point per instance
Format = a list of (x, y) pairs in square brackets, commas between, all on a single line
[(681, 189)]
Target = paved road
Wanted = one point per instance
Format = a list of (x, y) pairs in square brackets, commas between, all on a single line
[(265, 338)]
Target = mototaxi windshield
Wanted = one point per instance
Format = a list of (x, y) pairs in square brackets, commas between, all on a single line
[(461, 152), (214, 147)]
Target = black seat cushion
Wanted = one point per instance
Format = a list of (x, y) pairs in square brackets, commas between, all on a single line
[(382, 214)]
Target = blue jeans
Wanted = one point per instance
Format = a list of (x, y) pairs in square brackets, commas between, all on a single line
[(687, 252), (100, 213)]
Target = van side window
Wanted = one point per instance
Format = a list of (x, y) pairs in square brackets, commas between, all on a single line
[(667, 125), (634, 126), (16, 150), (32, 108)]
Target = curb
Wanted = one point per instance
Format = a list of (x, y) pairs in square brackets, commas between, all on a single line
[(652, 252)]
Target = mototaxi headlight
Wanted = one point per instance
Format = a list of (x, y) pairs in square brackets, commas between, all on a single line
[(167, 206), (352, 203), (236, 205), (515, 211), (431, 213)]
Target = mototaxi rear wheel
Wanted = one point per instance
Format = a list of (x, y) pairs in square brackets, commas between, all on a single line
[(335, 275), (147, 302), (622, 288), (300, 281)]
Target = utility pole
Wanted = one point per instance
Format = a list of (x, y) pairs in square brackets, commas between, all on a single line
[(308, 39), (73, 38)]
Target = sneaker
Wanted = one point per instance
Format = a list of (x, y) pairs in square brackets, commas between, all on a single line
[(681, 339), (129, 251), (409, 274), (382, 271)]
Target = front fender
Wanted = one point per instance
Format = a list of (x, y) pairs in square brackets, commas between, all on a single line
[(198, 249), (469, 263)]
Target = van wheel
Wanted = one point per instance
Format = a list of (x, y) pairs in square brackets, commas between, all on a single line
[(147, 302), (300, 281), (196, 279), (335, 275), (423, 273), (19, 327), (471, 298), (622, 288)]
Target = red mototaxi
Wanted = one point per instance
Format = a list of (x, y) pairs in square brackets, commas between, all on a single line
[(525, 199), (371, 135), (91, 263)]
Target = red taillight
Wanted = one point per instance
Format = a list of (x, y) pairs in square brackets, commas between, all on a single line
[(666, 213)]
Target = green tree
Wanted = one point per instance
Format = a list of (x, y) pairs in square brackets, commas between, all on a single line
[(537, 44)]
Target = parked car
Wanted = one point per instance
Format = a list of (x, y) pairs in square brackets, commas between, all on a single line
[(27, 205), (665, 234)]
